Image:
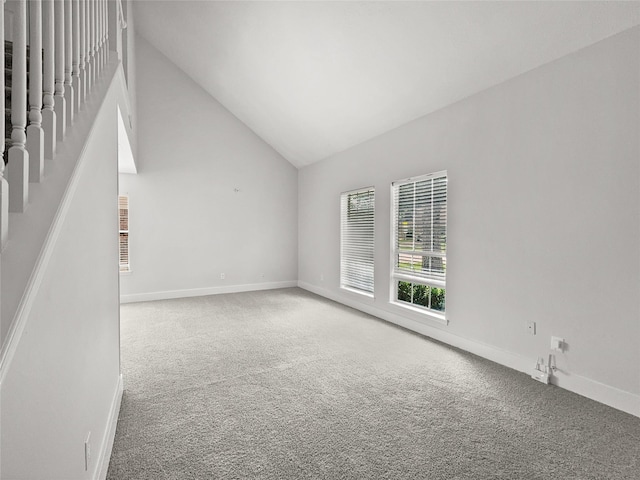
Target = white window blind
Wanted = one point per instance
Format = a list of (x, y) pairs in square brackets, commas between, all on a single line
[(357, 240), (420, 240), (123, 217)]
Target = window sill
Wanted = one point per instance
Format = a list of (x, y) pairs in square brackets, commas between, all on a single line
[(357, 292), (437, 317)]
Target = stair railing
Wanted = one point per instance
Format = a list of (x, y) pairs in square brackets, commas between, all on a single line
[(68, 50), (4, 185)]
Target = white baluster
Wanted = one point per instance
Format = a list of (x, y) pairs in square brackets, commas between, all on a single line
[(18, 164), (4, 186), (104, 32), (68, 59), (107, 52), (60, 101), (48, 81), (75, 61), (100, 35), (87, 53), (35, 134), (83, 50), (92, 39), (98, 40), (97, 34), (100, 44)]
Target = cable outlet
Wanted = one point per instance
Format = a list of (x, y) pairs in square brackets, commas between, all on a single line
[(531, 328)]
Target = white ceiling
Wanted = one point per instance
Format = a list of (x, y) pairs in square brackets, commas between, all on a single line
[(314, 78)]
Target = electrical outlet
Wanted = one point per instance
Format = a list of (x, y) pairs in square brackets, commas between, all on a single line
[(542, 377), (322, 277), (87, 452), (262, 275), (222, 276), (531, 328), (541, 372)]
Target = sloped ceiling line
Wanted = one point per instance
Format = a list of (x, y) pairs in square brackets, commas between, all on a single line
[(315, 78)]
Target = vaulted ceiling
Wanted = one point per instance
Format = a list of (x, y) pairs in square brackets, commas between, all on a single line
[(315, 78)]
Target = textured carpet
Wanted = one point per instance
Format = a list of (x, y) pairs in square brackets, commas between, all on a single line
[(283, 384)]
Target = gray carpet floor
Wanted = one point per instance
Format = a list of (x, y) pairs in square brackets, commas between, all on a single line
[(283, 384)]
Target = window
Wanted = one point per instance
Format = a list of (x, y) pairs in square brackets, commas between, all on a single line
[(420, 242), (123, 216), (356, 240)]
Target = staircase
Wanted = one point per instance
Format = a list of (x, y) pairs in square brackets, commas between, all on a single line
[(40, 136), (58, 249)]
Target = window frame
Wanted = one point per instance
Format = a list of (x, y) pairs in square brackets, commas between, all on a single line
[(344, 196), (394, 276)]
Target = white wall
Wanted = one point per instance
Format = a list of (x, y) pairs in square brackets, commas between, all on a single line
[(187, 223), (544, 217), (62, 381)]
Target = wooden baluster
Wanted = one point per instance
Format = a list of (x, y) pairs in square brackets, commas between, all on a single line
[(75, 61), (4, 186), (35, 134), (18, 164), (68, 59), (83, 50), (48, 82), (59, 99)]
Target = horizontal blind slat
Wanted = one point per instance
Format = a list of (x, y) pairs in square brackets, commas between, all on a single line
[(123, 221), (357, 231), (420, 228)]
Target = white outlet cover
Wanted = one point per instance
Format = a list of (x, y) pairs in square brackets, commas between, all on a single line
[(542, 377)]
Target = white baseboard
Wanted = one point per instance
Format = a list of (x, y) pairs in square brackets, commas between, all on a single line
[(199, 292), (611, 396), (600, 392), (102, 465)]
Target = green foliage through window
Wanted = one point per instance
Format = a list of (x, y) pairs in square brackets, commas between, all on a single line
[(421, 295)]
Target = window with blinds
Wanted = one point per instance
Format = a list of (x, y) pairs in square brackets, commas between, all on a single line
[(123, 217), (420, 241), (357, 240)]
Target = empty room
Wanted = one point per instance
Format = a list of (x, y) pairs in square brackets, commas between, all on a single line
[(320, 240)]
